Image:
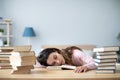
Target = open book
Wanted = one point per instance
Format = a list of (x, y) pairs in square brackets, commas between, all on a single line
[(63, 67)]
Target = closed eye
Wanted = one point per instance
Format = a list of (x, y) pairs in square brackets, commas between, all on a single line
[(53, 64), (55, 57)]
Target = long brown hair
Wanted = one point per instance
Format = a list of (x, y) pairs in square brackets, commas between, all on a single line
[(44, 54), (67, 54)]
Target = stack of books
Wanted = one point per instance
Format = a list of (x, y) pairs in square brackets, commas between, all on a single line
[(4, 57), (4, 60), (5, 52), (22, 62), (106, 58)]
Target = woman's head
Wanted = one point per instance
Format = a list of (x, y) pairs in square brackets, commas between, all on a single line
[(67, 54), (51, 57)]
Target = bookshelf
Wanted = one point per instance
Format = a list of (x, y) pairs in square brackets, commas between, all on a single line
[(7, 35)]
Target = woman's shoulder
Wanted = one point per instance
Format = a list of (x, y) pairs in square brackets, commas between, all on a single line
[(77, 52)]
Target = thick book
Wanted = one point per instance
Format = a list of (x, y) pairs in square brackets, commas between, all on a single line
[(105, 60), (105, 64), (63, 67), (106, 56), (5, 67), (108, 48), (106, 67), (4, 59), (26, 71), (4, 64), (21, 69), (106, 53), (110, 71), (4, 55), (6, 49), (22, 48)]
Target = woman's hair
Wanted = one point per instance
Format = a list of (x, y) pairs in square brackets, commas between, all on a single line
[(44, 54), (66, 53)]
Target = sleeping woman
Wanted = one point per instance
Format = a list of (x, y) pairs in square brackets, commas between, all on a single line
[(71, 56)]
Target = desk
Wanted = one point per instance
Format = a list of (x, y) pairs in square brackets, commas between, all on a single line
[(43, 74)]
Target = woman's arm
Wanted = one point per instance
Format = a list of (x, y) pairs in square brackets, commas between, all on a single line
[(83, 61)]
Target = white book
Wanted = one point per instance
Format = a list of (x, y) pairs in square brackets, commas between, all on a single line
[(109, 48), (106, 53), (53, 67), (105, 71), (105, 64), (66, 67), (106, 67), (104, 60), (106, 56)]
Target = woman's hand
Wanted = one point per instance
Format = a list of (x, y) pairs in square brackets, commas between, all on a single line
[(80, 69)]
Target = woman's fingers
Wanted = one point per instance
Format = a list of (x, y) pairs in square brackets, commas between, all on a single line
[(81, 69), (78, 69), (85, 69)]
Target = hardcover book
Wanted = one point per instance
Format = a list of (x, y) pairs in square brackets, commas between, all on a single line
[(108, 48), (105, 53), (106, 67), (106, 56), (4, 55), (105, 60), (105, 71), (22, 48), (105, 64)]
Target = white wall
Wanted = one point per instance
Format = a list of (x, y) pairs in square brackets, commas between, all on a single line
[(64, 21), (1, 8)]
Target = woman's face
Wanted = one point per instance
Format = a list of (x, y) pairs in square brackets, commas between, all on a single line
[(55, 59)]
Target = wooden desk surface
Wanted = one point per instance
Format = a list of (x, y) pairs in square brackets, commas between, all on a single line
[(43, 74)]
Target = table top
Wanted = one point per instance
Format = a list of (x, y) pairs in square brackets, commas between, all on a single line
[(44, 74)]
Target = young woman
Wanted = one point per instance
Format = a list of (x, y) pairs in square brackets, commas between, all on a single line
[(71, 56)]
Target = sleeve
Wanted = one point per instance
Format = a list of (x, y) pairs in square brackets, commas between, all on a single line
[(81, 59)]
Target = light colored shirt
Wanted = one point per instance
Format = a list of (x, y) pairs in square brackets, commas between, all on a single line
[(79, 58)]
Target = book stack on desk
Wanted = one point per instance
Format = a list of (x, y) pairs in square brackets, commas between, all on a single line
[(4, 60), (106, 59), (22, 62), (4, 57)]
